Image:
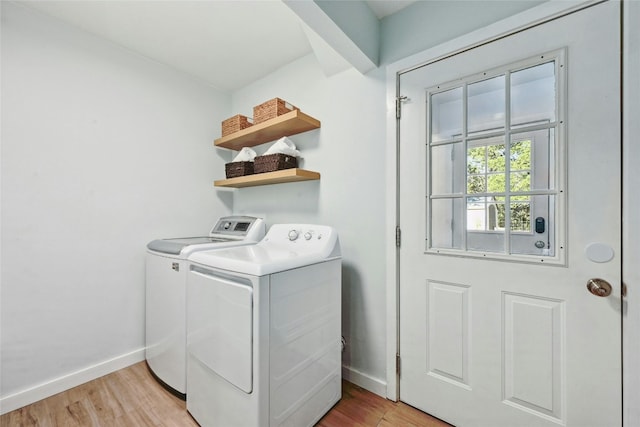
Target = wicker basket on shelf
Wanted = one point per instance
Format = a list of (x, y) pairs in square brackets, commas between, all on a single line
[(271, 109), (235, 123), (235, 169), (274, 162)]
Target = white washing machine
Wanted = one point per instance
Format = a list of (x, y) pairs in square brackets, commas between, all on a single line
[(166, 282), (263, 330)]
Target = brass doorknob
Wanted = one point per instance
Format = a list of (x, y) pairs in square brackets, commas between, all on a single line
[(599, 287)]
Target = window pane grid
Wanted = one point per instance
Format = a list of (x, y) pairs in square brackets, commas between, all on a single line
[(508, 226), (465, 146), (497, 191), (514, 195)]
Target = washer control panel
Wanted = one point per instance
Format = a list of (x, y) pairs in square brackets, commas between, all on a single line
[(245, 227)]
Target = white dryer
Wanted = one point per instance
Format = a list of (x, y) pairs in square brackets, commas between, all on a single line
[(166, 282), (264, 330)]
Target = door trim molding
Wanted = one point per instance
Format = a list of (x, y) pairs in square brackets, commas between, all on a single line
[(533, 17), (630, 212)]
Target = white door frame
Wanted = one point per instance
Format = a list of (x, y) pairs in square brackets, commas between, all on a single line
[(630, 179), (631, 213)]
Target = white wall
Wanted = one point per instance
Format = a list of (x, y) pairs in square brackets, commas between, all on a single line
[(102, 151), (348, 151)]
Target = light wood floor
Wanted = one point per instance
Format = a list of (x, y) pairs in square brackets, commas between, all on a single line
[(131, 397)]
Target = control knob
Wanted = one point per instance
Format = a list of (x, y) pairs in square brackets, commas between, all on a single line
[(293, 235), (308, 235)]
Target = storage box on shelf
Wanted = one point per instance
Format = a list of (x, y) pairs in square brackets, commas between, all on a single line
[(236, 169), (271, 109), (274, 162), (235, 124)]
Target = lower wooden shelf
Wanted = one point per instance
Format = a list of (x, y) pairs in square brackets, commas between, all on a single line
[(276, 177)]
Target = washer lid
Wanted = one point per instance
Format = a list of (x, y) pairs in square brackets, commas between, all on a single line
[(228, 231), (175, 246)]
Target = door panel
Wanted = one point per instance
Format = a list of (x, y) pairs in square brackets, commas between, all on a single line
[(533, 336), (448, 339), (514, 339)]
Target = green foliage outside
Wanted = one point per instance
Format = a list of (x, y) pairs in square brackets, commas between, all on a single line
[(487, 173)]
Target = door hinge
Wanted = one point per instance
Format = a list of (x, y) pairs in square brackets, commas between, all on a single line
[(398, 364), (399, 101), (398, 236)]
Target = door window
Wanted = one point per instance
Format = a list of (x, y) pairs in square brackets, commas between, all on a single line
[(493, 155)]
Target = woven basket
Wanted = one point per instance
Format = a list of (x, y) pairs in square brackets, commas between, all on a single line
[(271, 109), (235, 169), (274, 162), (235, 123)]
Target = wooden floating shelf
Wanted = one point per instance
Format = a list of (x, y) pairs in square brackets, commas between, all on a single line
[(287, 124), (276, 177)]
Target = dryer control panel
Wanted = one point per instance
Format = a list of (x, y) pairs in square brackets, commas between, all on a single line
[(284, 247), (301, 238), (308, 235)]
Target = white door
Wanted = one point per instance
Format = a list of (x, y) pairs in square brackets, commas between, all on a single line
[(509, 205)]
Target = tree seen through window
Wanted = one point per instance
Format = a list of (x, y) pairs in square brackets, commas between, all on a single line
[(487, 176)]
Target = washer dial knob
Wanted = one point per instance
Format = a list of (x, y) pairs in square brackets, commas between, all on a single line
[(293, 235), (308, 235)]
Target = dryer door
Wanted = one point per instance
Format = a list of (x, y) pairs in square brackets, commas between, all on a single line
[(220, 319)]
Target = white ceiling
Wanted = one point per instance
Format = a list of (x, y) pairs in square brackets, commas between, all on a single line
[(225, 43)]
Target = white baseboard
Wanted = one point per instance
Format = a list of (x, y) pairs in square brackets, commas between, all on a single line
[(365, 381), (66, 382), (49, 388)]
